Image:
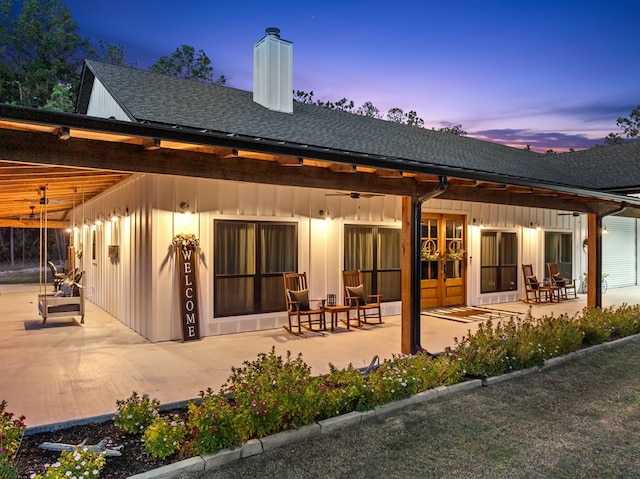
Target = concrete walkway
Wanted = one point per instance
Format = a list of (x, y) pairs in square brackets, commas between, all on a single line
[(66, 371)]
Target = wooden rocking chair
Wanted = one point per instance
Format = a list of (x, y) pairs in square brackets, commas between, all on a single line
[(534, 287), (367, 305), (564, 285), (296, 293)]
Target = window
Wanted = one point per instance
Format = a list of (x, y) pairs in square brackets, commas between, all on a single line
[(558, 249), (250, 258), (376, 251), (498, 261)]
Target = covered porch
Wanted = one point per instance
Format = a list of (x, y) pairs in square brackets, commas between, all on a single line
[(64, 371)]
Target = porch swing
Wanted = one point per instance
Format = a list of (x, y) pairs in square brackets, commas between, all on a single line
[(68, 296)]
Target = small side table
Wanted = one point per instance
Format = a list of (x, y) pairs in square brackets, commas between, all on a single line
[(340, 308)]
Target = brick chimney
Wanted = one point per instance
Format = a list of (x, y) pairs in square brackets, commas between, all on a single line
[(273, 72)]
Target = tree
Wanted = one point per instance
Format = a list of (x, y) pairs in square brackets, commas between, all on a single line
[(185, 62), (613, 139), (39, 49), (61, 98), (457, 130), (368, 109), (111, 53), (630, 126)]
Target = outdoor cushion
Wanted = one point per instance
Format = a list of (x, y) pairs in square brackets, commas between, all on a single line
[(357, 291), (66, 289), (302, 297), (533, 282), (558, 279)]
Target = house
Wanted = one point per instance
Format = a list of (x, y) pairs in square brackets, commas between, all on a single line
[(269, 185)]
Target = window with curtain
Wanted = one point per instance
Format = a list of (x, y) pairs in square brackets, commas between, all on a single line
[(558, 248), (250, 258), (376, 251), (498, 261)]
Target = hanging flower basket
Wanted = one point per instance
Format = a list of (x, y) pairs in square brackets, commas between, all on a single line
[(185, 241)]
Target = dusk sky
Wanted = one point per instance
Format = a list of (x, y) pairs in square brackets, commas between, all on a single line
[(553, 74)]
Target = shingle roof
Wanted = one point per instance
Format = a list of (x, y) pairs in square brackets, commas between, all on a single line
[(161, 99)]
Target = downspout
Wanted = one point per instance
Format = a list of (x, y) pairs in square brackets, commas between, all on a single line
[(416, 235), (598, 278)]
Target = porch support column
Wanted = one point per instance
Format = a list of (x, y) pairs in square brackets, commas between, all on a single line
[(411, 270), (594, 261), (594, 255)]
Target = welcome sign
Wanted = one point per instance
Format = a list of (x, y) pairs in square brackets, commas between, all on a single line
[(187, 279)]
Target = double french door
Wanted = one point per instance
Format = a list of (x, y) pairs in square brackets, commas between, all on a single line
[(443, 260)]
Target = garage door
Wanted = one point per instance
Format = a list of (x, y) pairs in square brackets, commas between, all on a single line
[(619, 251)]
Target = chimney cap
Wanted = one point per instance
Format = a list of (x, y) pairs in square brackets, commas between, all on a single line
[(273, 31)]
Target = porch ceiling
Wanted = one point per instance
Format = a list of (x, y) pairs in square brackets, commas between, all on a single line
[(78, 158)]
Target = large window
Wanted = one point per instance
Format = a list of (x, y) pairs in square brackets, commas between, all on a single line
[(498, 261), (376, 251), (250, 258), (558, 249)]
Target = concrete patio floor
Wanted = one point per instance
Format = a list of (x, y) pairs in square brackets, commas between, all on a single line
[(65, 371)]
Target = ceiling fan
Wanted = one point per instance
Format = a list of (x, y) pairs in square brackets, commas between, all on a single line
[(355, 195), (573, 213)]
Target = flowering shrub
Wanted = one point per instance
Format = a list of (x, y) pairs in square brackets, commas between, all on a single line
[(80, 463), (135, 414), (272, 395), (164, 436), (11, 432), (211, 424), (343, 391)]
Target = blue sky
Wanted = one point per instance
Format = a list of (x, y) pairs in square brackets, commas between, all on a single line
[(552, 74)]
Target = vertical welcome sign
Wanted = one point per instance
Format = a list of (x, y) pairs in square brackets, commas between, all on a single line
[(187, 278)]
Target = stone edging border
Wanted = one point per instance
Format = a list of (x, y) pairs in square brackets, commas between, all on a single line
[(258, 446)]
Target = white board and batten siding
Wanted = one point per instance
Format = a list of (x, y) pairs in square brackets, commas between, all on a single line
[(619, 251)]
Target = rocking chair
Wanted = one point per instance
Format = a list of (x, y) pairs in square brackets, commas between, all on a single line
[(564, 285), (534, 287), (368, 306), (296, 294)]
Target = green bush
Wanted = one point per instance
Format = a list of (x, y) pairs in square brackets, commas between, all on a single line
[(211, 424), (136, 413), (273, 395), (343, 391), (11, 432), (79, 463), (164, 436)]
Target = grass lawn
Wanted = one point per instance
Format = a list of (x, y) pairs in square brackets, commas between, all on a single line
[(580, 419)]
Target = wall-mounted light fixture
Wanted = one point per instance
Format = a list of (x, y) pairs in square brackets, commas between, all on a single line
[(605, 231), (98, 220), (478, 222), (536, 227), (184, 207), (118, 213), (324, 214)]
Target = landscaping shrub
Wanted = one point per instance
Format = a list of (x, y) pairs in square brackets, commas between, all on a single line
[(11, 432), (596, 325), (136, 413), (164, 436), (79, 463), (273, 395), (343, 391), (211, 424)]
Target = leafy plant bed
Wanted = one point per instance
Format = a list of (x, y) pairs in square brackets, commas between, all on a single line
[(134, 460)]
